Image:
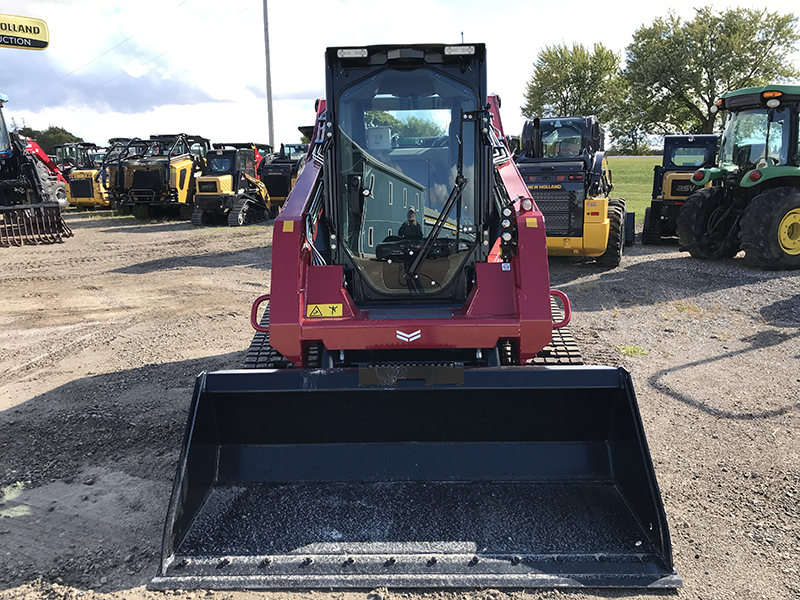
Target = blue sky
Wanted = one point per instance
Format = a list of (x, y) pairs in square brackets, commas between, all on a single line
[(145, 67)]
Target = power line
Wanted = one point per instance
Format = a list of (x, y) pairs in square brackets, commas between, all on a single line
[(74, 71), (124, 72)]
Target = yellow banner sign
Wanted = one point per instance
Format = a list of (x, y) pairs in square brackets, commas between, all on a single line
[(321, 311), (23, 32)]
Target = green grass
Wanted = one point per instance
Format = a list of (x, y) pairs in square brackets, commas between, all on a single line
[(633, 180)]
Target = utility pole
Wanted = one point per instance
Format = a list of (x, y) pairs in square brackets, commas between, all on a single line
[(270, 141)]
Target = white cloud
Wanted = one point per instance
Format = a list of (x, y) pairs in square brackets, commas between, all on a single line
[(135, 69), (215, 50)]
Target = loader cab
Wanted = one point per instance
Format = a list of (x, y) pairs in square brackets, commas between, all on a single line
[(561, 138), (405, 142), (231, 162), (563, 164)]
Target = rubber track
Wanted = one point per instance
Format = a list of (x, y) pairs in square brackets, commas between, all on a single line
[(562, 350), (651, 235), (256, 212), (260, 355)]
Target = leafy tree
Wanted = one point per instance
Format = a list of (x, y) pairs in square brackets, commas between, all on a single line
[(412, 127), (416, 127), (50, 137), (571, 82), (677, 70), (380, 118)]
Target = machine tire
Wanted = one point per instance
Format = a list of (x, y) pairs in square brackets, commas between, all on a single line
[(651, 234), (770, 229), (616, 238), (60, 194), (695, 218), (141, 212)]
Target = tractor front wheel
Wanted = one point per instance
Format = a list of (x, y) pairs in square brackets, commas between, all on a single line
[(704, 225), (770, 234)]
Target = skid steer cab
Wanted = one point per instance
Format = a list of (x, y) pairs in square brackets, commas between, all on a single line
[(672, 182), (391, 427), (753, 202), (160, 181), (81, 164), (565, 168), (228, 190)]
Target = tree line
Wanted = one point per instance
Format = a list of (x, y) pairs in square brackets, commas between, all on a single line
[(674, 72), (48, 138)]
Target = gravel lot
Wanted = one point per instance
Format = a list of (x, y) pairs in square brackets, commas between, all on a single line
[(103, 335)]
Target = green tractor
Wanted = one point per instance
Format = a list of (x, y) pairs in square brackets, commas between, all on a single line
[(753, 203)]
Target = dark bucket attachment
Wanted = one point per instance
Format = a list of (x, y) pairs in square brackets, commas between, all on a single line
[(32, 224), (501, 477)]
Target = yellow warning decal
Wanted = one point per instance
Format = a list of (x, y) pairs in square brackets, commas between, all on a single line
[(531, 222), (321, 311), (288, 226)]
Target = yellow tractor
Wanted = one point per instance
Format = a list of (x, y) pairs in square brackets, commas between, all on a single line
[(81, 164), (228, 189), (160, 181)]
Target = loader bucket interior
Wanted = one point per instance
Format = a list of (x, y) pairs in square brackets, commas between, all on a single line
[(517, 477)]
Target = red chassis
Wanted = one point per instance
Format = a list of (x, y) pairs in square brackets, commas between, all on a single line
[(309, 303)]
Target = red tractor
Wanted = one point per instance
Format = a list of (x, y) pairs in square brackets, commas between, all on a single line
[(393, 427), (32, 192)]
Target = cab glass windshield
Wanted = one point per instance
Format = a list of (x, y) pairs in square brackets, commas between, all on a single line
[(561, 137), (756, 138), (398, 155)]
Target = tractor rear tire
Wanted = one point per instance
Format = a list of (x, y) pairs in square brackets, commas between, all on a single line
[(616, 237), (695, 218), (770, 233)]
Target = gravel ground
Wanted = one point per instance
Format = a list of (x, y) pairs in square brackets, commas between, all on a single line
[(103, 335)]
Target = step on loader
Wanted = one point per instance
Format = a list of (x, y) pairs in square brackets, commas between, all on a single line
[(404, 419), (30, 197)]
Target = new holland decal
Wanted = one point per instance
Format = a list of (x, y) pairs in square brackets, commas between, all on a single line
[(23, 32)]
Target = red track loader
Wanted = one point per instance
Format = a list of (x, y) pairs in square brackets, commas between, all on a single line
[(400, 424)]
